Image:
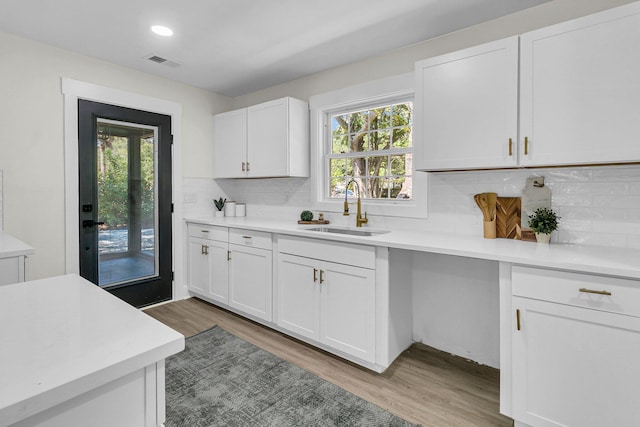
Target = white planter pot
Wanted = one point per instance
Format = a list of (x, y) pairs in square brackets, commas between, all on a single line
[(219, 214), (543, 238)]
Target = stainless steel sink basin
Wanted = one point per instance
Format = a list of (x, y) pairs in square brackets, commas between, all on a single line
[(350, 231)]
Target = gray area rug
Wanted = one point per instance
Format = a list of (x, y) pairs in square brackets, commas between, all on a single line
[(222, 380)]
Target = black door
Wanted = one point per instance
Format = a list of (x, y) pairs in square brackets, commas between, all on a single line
[(125, 201)]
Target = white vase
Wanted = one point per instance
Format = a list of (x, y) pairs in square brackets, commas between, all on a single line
[(543, 238), (219, 214)]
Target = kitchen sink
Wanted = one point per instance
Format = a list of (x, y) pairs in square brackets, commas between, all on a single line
[(349, 231)]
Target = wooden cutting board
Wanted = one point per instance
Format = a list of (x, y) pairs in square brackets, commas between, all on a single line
[(508, 211)]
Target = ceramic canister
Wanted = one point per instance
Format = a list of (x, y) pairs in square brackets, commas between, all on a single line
[(241, 209), (230, 209)]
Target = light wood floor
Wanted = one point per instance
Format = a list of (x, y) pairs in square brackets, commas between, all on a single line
[(423, 385)]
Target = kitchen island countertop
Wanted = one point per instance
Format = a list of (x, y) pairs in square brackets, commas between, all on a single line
[(64, 336)]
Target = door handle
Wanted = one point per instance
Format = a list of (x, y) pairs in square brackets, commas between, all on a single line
[(88, 223)]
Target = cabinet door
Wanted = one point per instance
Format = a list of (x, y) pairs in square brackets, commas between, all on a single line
[(218, 286), (250, 280), (10, 270), (579, 90), (466, 108), (230, 144), (574, 366), (347, 309), (268, 139), (198, 266), (298, 281)]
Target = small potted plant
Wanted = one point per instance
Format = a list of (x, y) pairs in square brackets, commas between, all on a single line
[(219, 206), (543, 222)]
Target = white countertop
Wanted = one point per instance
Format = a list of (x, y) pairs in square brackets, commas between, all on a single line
[(63, 336), (10, 246), (621, 262)]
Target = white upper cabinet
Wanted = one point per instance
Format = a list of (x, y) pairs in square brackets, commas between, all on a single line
[(466, 108), (577, 98), (580, 90), (230, 139), (265, 140)]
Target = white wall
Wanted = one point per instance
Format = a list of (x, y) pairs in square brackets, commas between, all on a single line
[(456, 306), (31, 136)]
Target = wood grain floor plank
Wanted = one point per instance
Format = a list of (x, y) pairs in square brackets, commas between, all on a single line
[(423, 385)]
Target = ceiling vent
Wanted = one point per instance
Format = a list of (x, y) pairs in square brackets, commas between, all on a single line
[(157, 59), (163, 61)]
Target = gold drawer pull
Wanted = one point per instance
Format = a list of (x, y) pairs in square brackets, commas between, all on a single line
[(518, 319), (315, 274), (205, 231), (246, 237), (526, 145), (591, 291), (510, 147)]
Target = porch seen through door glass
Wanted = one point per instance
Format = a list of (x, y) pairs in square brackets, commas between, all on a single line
[(127, 202)]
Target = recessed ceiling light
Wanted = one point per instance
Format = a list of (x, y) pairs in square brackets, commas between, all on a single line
[(162, 30)]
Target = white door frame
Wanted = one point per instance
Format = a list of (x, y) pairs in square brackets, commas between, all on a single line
[(74, 90)]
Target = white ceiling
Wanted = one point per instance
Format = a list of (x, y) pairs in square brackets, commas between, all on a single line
[(234, 47)]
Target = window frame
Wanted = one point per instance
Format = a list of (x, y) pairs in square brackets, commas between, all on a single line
[(390, 152), (388, 90)]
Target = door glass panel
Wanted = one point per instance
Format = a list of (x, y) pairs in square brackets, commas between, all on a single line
[(127, 202)]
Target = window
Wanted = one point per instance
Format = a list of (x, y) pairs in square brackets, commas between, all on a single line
[(372, 146), (365, 132)]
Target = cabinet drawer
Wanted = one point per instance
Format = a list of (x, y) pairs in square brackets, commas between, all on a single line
[(609, 294), (254, 239), (338, 252), (208, 232)]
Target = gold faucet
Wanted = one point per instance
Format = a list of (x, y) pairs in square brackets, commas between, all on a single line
[(359, 218)]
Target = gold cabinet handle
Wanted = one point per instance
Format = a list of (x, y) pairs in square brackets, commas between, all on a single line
[(246, 237), (202, 249), (315, 275), (321, 276), (243, 169), (591, 291), (518, 319), (247, 166), (205, 231), (510, 147), (228, 255), (205, 250), (526, 145)]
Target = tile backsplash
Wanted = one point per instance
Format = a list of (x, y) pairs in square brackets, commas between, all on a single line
[(598, 205)]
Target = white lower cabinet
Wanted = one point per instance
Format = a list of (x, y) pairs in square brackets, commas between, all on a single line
[(12, 270), (327, 293), (575, 347), (331, 303), (250, 271), (231, 267), (208, 273), (299, 295), (334, 295)]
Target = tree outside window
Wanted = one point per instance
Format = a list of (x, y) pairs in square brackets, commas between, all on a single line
[(374, 147)]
